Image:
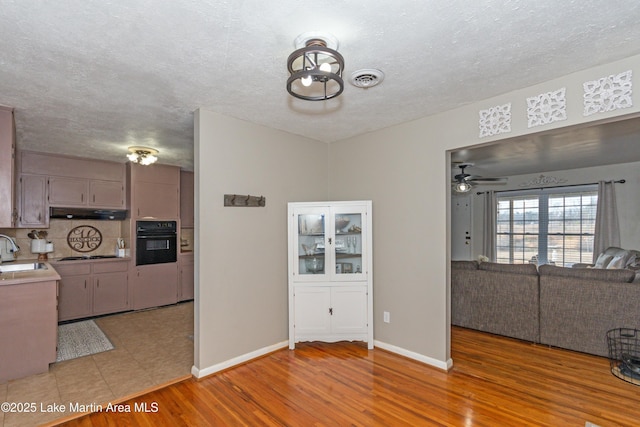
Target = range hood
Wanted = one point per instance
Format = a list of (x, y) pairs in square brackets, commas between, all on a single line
[(84, 213)]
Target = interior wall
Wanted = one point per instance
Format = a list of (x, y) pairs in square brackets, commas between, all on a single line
[(241, 265), (241, 253), (627, 198), (405, 171)]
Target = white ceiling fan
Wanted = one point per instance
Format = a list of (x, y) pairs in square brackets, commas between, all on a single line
[(464, 182)]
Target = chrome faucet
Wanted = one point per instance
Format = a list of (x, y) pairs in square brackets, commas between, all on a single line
[(14, 247)]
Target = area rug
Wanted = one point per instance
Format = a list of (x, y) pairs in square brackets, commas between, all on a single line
[(81, 339)]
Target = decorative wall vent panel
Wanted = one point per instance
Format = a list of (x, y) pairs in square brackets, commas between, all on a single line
[(495, 120), (608, 93), (547, 108)]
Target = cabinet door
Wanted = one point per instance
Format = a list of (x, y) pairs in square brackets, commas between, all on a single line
[(33, 207), (74, 299), (110, 293), (349, 309), (7, 167), (349, 245), (155, 285), (106, 194), (312, 311), (67, 191), (308, 231), (156, 200), (186, 200), (186, 278)]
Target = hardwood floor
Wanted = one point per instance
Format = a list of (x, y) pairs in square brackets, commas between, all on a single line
[(495, 381)]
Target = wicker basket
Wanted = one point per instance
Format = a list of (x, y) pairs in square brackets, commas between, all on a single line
[(624, 354)]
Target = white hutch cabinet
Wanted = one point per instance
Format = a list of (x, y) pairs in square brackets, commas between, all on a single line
[(330, 272)]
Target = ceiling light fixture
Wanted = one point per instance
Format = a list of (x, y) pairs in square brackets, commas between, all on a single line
[(315, 68), (462, 187), (143, 155)]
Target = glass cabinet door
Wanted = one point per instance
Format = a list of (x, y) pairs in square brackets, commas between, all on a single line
[(312, 241), (348, 244)]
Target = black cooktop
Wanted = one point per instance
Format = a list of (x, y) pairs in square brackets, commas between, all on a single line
[(82, 258)]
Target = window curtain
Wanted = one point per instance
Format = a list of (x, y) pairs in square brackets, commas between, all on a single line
[(489, 236), (607, 232)]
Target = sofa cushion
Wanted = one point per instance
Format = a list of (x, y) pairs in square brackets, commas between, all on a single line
[(464, 265), (509, 268), (605, 275)]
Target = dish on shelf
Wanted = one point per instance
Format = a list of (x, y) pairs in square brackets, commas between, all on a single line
[(342, 222)]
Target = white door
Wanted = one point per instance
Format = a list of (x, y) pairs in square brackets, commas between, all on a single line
[(312, 304), (349, 309), (461, 228)]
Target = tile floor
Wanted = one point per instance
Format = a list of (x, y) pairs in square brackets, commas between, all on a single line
[(152, 347)]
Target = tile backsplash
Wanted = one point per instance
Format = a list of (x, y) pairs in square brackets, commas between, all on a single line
[(57, 234)]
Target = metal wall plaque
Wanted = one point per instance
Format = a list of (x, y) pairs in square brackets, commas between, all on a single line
[(84, 238)]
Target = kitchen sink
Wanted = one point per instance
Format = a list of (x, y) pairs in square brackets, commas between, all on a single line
[(17, 268)]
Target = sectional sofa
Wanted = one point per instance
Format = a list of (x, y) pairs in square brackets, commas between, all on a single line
[(570, 308)]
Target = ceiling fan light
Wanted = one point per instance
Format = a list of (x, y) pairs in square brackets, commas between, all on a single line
[(462, 187)]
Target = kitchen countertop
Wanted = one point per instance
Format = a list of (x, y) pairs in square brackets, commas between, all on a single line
[(59, 261), (31, 276)]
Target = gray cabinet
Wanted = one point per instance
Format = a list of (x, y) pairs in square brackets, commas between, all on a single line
[(89, 288)]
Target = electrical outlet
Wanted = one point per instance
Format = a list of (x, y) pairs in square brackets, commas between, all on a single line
[(387, 317)]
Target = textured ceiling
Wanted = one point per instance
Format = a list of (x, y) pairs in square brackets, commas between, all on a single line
[(92, 78)]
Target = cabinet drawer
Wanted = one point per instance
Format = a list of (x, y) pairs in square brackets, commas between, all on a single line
[(73, 269), (110, 267)]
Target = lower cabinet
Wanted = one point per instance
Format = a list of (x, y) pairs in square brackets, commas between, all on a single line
[(28, 329), (185, 289), (329, 313), (92, 288), (155, 285)]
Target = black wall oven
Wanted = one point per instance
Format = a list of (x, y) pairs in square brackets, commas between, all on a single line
[(156, 242)]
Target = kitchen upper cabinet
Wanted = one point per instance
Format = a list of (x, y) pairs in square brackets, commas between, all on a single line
[(79, 192), (155, 191), (32, 201), (330, 272), (186, 199), (8, 213), (106, 193), (68, 191)]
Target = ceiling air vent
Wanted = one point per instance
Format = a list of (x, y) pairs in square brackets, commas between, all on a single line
[(366, 78)]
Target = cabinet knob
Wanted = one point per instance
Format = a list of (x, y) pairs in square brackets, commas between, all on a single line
[(331, 311)]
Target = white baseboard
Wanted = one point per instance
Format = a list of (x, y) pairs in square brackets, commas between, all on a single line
[(415, 356), (200, 373)]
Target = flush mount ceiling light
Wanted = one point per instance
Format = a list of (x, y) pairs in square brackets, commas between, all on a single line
[(143, 155), (315, 68)]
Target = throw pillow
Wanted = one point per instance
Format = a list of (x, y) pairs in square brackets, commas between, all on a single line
[(603, 260), (618, 261)]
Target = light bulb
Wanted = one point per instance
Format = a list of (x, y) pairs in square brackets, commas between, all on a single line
[(306, 81), (133, 157), (325, 67)]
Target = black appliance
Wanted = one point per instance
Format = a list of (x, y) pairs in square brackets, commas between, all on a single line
[(84, 213), (156, 242)]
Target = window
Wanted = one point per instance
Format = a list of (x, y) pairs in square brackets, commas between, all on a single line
[(546, 226)]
